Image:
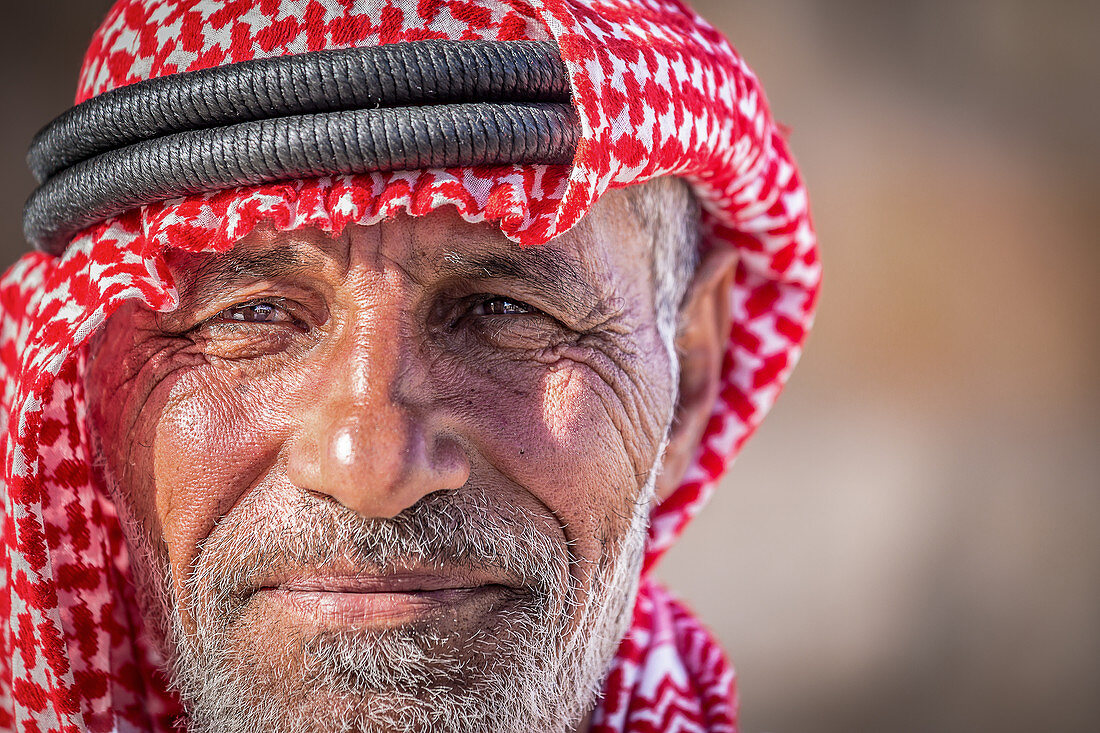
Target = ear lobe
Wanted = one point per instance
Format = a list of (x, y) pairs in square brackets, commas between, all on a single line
[(701, 341)]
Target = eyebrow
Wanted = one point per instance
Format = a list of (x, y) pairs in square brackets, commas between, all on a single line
[(552, 273), (225, 271)]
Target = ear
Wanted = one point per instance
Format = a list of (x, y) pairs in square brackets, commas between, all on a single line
[(701, 342)]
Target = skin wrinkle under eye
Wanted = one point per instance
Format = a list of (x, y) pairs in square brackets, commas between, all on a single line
[(612, 360), (562, 389)]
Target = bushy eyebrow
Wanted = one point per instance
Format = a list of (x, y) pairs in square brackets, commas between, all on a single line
[(223, 272), (548, 270)]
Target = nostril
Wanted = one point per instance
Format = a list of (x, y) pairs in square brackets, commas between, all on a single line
[(449, 461), (377, 459)]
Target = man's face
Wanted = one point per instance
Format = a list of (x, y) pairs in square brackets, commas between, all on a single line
[(397, 475)]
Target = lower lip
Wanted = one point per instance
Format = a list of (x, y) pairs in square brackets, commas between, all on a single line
[(382, 608)]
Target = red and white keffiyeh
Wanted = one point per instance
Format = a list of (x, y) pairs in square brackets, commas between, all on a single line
[(659, 92)]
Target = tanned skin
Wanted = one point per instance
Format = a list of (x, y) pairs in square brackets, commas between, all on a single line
[(415, 356)]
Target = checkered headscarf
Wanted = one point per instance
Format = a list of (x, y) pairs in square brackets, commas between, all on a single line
[(658, 91)]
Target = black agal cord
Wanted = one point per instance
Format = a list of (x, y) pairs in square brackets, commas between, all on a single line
[(404, 106)]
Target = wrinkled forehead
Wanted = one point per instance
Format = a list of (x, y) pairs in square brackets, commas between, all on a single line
[(608, 254)]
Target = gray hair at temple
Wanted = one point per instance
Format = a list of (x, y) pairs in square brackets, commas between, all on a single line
[(668, 209)]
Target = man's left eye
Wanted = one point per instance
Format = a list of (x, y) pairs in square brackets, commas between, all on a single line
[(501, 307), (256, 313)]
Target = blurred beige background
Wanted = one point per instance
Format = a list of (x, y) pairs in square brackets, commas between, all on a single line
[(911, 542)]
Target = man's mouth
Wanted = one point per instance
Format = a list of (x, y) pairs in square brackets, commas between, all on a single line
[(388, 600)]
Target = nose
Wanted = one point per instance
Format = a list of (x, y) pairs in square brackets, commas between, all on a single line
[(364, 440)]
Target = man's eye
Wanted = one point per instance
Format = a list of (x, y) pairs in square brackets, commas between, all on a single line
[(501, 307), (256, 313)]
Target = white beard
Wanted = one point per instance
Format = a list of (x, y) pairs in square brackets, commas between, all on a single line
[(543, 673)]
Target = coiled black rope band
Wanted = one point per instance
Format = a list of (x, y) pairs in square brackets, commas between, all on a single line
[(392, 75), (402, 106)]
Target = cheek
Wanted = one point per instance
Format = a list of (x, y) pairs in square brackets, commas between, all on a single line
[(554, 433), (216, 437)]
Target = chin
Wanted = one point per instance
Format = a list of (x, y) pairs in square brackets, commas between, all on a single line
[(322, 622), (512, 674), (509, 663)]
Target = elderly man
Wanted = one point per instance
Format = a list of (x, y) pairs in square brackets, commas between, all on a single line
[(374, 353)]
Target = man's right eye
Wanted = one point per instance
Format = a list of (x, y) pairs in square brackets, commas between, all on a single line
[(500, 306), (252, 329), (260, 312)]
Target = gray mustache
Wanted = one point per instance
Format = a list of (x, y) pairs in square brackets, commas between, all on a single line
[(455, 529)]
